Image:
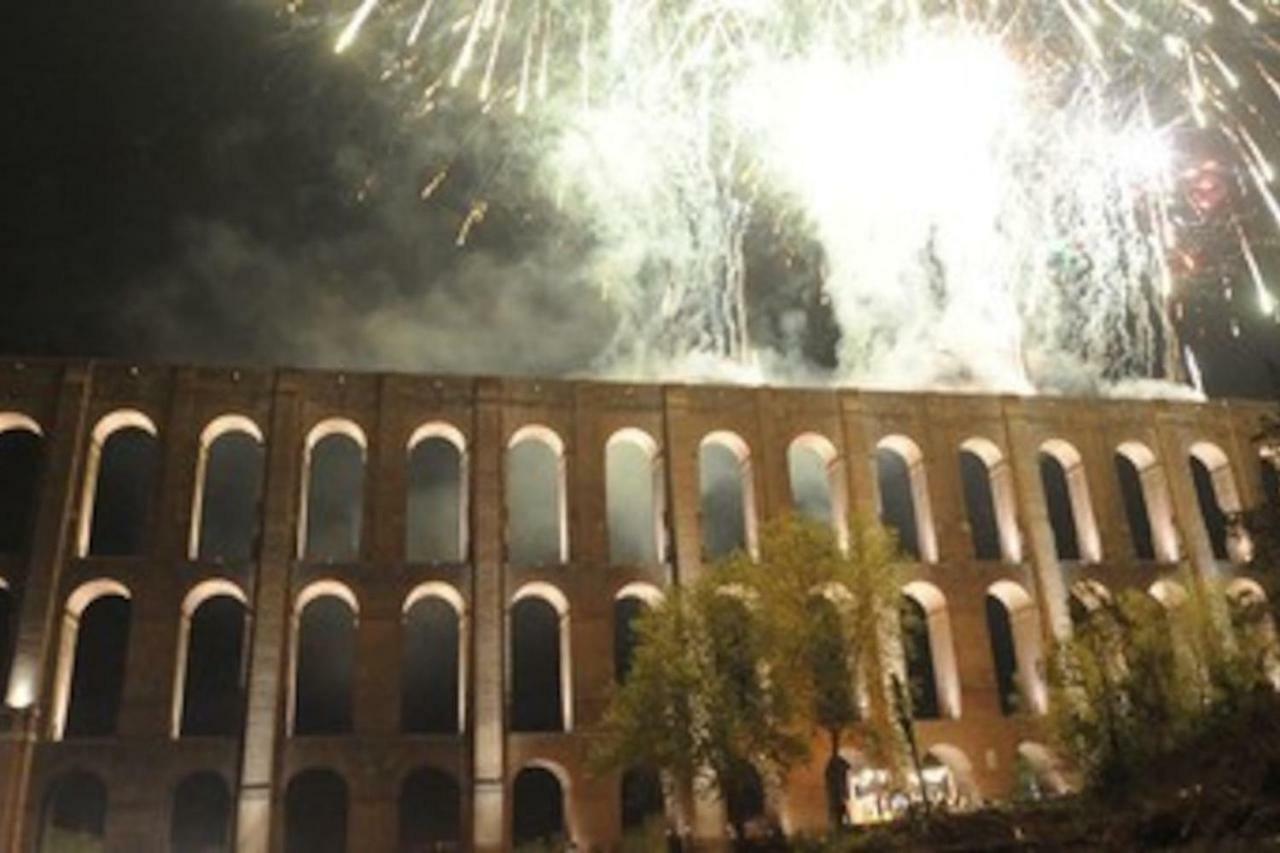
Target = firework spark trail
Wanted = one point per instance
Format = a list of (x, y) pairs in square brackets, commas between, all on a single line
[(993, 184)]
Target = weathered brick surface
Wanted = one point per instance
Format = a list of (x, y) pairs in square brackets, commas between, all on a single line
[(143, 763)]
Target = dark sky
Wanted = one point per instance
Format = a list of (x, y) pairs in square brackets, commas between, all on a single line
[(199, 181)]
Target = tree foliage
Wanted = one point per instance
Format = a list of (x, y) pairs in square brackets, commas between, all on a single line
[(1139, 680), (738, 672)]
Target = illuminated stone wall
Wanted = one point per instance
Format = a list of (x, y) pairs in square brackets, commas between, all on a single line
[(73, 405)]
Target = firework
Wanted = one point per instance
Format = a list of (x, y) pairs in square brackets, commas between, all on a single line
[(996, 189)]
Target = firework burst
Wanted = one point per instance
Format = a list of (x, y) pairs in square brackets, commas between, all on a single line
[(999, 191)]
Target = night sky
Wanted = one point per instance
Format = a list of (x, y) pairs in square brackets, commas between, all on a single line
[(202, 181)]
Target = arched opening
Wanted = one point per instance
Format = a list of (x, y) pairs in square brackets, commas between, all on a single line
[(630, 602), (1066, 492), (540, 696), (537, 523), (642, 798), (1040, 774), (634, 498), (1251, 620), (904, 496), (727, 495), (21, 459), (201, 817), (333, 492), (212, 661), (1170, 594), (988, 499), (315, 813), (431, 695), (818, 489), (917, 654), (1000, 633), (324, 660), (228, 490), (746, 802), (1146, 502), (948, 776), (436, 529), (430, 811), (90, 682), (537, 808), (1084, 599), (1013, 628), (941, 658), (119, 477), (1219, 500), (74, 814)]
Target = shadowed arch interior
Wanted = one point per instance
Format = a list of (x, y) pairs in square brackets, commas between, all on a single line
[(918, 656), (897, 507), (437, 512), (625, 612), (745, 801), (230, 495), (726, 499), (1219, 502), (98, 668), (201, 818), (315, 813), (324, 682), (214, 672), (1148, 509), (634, 499), (334, 497), (430, 811), (537, 694), (1215, 520), (126, 477), (430, 674), (642, 798), (74, 814), (1057, 496), (537, 528), (537, 807), (1004, 659), (21, 461), (1135, 507), (816, 475), (985, 481)]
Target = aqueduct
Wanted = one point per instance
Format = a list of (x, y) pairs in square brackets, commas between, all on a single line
[(298, 610)]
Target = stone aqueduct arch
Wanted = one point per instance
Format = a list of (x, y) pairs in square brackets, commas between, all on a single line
[(671, 442)]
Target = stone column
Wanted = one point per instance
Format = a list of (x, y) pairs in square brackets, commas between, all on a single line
[(941, 453), (1036, 530), (377, 676), (36, 636), (680, 449), (1187, 520), (147, 701), (772, 474), (860, 459), (271, 616), (585, 481), (488, 712)]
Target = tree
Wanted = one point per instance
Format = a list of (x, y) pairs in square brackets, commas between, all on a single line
[(831, 617), (1139, 680), (737, 673), (699, 704)]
